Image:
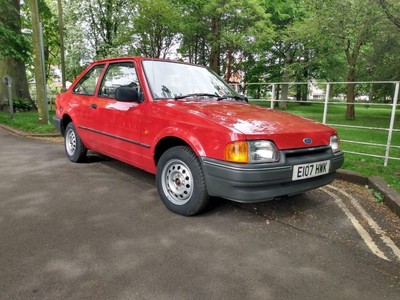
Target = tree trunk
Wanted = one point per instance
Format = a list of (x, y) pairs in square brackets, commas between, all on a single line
[(285, 78), (394, 19), (350, 111), (38, 62), (285, 91), (215, 45), (304, 95), (298, 93), (11, 66), (17, 71), (304, 88), (229, 63), (371, 93)]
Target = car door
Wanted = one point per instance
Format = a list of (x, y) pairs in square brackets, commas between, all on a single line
[(81, 99), (118, 123)]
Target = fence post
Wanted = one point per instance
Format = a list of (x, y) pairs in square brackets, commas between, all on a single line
[(273, 95), (327, 92), (389, 141)]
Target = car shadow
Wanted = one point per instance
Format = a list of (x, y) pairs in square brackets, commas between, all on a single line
[(93, 157), (288, 207), (122, 167)]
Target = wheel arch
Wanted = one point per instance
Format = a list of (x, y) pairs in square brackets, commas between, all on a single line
[(166, 143), (66, 119)]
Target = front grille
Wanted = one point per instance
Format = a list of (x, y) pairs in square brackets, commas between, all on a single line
[(307, 151)]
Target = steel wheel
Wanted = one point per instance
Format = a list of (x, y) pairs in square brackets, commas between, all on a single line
[(70, 142), (74, 147), (180, 181), (177, 182)]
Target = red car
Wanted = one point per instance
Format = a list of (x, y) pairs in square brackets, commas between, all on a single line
[(187, 126)]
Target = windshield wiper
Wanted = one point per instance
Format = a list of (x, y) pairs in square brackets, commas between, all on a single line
[(197, 95)]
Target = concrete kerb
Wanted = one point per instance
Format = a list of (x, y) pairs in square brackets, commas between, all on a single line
[(390, 197)]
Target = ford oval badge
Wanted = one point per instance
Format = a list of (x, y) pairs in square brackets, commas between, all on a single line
[(307, 141)]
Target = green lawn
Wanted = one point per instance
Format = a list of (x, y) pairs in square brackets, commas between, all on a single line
[(27, 122)]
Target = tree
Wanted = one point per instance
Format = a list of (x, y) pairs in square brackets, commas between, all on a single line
[(236, 27), (95, 29), (287, 47), (51, 38), (50, 30), (155, 26), (38, 63), (194, 31), (13, 51), (352, 24)]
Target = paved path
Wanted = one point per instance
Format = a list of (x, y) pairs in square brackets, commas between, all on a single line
[(98, 231)]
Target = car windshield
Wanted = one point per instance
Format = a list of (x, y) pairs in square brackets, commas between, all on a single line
[(180, 81)]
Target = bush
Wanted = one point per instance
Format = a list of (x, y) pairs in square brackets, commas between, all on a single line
[(21, 105)]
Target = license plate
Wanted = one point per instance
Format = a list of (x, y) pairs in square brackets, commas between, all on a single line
[(310, 170)]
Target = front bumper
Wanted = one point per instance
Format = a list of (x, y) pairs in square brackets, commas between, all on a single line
[(261, 182)]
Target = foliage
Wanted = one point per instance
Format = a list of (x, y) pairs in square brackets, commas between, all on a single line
[(378, 196), (95, 29), (194, 31), (156, 24), (13, 42), (237, 28), (26, 122), (352, 25), (21, 104), (392, 10)]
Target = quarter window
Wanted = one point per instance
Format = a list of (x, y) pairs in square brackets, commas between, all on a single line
[(87, 84)]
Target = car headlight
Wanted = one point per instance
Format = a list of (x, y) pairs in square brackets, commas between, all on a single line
[(251, 152), (335, 143)]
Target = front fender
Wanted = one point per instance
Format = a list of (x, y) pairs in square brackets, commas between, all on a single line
[(183, 134)]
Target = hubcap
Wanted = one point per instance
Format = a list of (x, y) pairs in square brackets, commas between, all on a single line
[(177, 182), (70, 142)]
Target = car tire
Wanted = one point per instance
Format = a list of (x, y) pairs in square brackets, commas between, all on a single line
[(74, 148), (180, 181)]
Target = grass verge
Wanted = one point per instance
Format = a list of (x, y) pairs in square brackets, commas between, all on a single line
[(27, 122)]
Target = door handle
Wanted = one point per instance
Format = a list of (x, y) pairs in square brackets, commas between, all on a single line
[(93, 105)]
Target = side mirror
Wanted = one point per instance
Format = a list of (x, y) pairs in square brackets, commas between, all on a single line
[(127, 94)]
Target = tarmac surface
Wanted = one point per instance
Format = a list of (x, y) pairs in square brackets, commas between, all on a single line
[(99, 231)]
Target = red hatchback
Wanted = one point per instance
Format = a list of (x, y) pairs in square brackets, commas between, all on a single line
[(187, 126)]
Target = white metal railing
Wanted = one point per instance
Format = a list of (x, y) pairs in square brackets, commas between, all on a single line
[(325, 101)]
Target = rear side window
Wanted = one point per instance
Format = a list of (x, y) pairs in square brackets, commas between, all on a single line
[(87, 84), (118, 75)]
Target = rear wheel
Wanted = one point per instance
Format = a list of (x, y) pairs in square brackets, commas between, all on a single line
[(180, 181), (74, 148)]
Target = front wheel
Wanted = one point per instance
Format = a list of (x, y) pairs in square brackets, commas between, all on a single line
[(74, 148), (180, 181)]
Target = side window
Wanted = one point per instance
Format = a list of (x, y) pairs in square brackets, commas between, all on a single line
[(118, 75), (87, 84)]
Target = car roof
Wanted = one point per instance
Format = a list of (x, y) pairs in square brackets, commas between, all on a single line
[(137, 59)]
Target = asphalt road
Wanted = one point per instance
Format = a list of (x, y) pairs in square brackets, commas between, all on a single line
[(99, 231)]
